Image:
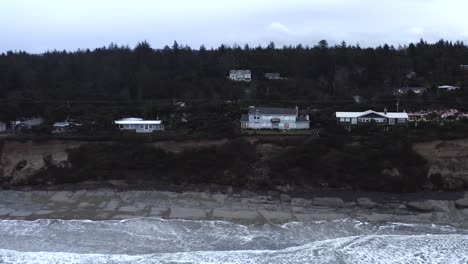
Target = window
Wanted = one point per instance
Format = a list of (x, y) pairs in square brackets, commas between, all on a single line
[(401, 120), (347, 119), (121, 126), (342, 119), (364, 120), (142, 126)]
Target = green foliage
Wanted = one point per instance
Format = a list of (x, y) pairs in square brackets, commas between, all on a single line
[(377, 162), (121, 73), (227, 164)]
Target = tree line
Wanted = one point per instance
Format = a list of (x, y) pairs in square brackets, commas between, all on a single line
[(127, 75)]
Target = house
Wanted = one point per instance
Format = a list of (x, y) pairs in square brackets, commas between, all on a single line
[(240, 75), (65, 127), (448, 88), (273, 76), (140, 125), (26, 124), (359, 99), (411, 90), (2, 127), (464, 67), (387, 119), (274, 118)]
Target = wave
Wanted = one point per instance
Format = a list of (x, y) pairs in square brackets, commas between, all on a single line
[(151, 240), (383, 249)]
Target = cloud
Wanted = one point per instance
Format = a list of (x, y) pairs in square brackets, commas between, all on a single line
[(418, 31), (277, 27)]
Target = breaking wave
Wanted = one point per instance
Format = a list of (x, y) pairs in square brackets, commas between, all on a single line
[(149, 240)]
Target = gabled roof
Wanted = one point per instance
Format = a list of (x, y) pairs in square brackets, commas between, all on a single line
[(449, 87), (61, 124), (137, 121), (359, 114), (272, 111), (66, 124)]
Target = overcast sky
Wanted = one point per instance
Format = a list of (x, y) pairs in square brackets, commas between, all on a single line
[(40, 25)]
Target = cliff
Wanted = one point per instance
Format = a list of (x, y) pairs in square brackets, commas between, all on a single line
[(448, 163)]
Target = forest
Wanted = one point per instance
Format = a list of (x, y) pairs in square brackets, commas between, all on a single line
[(119, 80)]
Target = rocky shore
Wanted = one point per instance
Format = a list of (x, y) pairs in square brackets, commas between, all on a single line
[(241, 207)]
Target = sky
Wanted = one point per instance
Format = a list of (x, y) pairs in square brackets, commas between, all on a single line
[(39, 25)]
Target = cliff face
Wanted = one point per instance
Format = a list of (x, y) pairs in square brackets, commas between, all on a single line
[(21, 160), (448, 161)]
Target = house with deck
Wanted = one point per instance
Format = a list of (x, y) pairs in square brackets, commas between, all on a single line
[(385, 119), (139, 125), (274, 118), (240, 75)]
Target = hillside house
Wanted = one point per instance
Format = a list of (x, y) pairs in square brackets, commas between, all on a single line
[(274, 118), (273, 76), (240, 75), (411, 90), (139, 125), (386, 119)]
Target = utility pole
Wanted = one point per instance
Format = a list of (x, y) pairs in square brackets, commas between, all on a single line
[(398, 105)]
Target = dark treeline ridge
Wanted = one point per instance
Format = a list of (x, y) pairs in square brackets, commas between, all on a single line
[(143, 73)]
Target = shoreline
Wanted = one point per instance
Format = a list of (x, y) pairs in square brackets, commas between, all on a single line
[(242, 207)]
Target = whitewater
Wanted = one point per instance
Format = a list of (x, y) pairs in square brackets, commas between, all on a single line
[(152, 240)]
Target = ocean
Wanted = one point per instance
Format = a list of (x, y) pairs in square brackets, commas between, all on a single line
[(151, 240)]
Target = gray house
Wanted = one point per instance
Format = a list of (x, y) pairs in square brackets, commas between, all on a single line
[(386, 119), (274, 118)]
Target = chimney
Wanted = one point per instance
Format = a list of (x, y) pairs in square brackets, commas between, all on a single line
[(385, 110)]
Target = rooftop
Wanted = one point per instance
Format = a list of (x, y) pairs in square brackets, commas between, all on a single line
[(272, 111), (137, 121), (359, 114)]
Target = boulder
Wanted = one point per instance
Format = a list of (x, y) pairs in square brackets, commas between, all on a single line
[(285, 198), (301, 202), (329, 202), (462, 203), (366, 202), (430, 206)]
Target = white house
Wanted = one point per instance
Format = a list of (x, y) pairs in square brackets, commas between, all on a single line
[(274, 118), (240, 75), (139, 125), (386, 119)]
